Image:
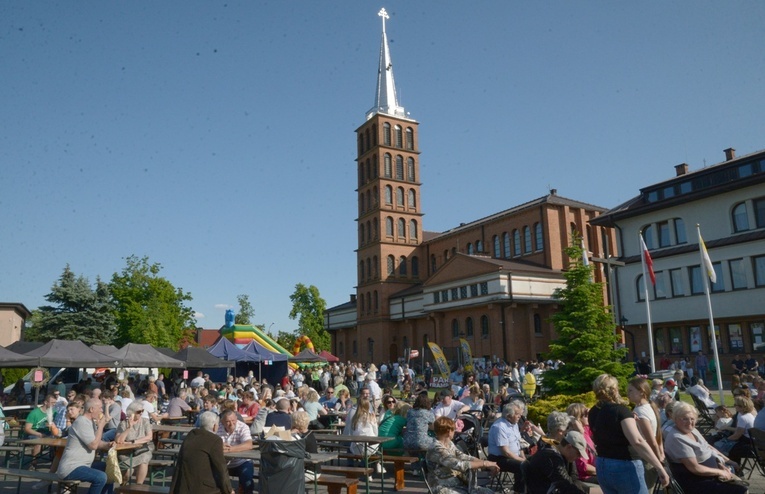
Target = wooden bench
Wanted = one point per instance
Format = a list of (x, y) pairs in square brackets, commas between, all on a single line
[(64, 486), (399, 463), (348, 472), (158, 468), (12, 452), (142, 489), (335, 485)]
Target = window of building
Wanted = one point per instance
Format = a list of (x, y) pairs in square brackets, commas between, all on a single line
[(410, 169), (455, 328), (484, 327), (436, 297), (362, 306), (470, 248), (758, 335), (369, 232), (675, 341), (660, 288), (409, 138), (680, 231), (400, 196), (433, 263), (484, 288), (388, 167), (648, 236), (737, 274), (474, 290), (399, 137), (740, 218), (413, 229), (416, 267), (401, 229), (369, 268), (537, 325), (495, 242), (516, 243), (694, 273), (376, 267), (362, 178), (454, 251), (362, 203), (399, 167), (640, 288), (374, 228), (463, 292), (402, 266), (444, 295), (759, 270), (506, 244), (361, 270), (479, 246), (526, 240), (412, 199), (369, 303), (659, 342), (455, 294), (391, 265), (376, 299), (719, 285), (735, 338), (361, 233), (694, 338), (759, 212), (539, 237), (386, 139), (663, 230), (676, 278), (469, 327), (361, 143), (388, 195), (389, 226), (375, 196), (374, 166), (717, 338), (446, 255)]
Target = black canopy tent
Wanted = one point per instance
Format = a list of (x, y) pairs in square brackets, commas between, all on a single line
[(13, 359), (144, 355)]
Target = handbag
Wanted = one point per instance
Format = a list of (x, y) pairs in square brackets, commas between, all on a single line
[(113, 472), (143, 449)]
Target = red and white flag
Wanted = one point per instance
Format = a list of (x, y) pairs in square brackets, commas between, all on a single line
[(647, 261)]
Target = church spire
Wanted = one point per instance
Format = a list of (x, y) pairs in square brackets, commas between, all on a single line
[(385, 99)]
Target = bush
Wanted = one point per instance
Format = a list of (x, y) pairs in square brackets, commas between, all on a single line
[(13, 374), (540, 409)]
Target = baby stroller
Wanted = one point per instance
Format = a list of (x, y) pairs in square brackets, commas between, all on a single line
[(469, 439)]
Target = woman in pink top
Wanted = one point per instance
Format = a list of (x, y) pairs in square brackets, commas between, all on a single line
[(585, 467)]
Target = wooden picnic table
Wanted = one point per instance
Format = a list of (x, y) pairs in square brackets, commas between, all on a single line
[(315, 459), (366, 441)]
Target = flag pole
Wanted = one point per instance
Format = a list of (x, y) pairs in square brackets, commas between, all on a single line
[(705, 261), (643, 250)]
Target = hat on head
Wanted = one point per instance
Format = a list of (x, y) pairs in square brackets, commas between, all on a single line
[(671, 382), (576, 439)]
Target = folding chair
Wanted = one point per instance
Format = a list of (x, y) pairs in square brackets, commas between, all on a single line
[(706, 422), (757, 438)]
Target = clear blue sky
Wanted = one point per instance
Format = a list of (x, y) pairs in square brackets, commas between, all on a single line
[(216, 137)]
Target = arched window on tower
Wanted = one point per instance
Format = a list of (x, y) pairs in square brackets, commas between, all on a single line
[(367, 140), (374, 135), (369, 303), (361, 270), (400, 196), (469, 327), (375, 196), (409, 138), (399, 137), (386, 134), (361, 143), (361, 304), (362, 179), (410, 169), (369, 169), (399, 167), (369, 268), (402, 266), (369, 231), (388, 171), (369, 200), (495, 241), (391, 265), (412, 199), (375, 268), (413, 229), (389, 226), (362, 205), (401, 229), (388, 195), (415, 267), (484, 326), (362, 236), (374, 229), (376, 300), (374, 166)]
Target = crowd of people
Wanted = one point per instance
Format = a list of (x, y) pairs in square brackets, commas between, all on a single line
[(610, 447)]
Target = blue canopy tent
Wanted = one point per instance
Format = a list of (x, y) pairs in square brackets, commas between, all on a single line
[(273, 365), (226, 350)]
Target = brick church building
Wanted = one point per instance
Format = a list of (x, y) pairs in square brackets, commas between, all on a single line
[(489, 281)]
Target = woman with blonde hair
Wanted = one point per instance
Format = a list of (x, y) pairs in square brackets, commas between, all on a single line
[(737, 444), (363, 423), (136, 430), (312, 406), (647, 419), (614, 430)]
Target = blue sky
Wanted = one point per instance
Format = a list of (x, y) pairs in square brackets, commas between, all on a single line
[(217, 137)]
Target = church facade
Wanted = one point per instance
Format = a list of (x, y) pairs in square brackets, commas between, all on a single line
[(489, 281)]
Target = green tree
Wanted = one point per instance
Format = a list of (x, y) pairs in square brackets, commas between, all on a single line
[(586, 338), (246, 311), (308, 307), (149, 309), (77, 312), (286, 340)]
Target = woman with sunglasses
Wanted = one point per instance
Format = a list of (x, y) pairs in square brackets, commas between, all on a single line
[(387, 405), (135, 430)]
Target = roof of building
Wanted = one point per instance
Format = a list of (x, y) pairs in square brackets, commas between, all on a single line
[(385, 97), (16, 306), (734, 173), (551, 198)]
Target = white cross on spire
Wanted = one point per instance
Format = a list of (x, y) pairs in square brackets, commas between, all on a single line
[(384, 16)]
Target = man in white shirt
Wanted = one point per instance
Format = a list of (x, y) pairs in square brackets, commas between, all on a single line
[(374, 391), (505, 441), (449, 407), (198, 381)]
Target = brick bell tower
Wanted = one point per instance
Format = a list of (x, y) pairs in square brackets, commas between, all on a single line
[(389, 214)]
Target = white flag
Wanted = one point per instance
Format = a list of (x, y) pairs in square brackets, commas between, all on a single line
[(707, 261)]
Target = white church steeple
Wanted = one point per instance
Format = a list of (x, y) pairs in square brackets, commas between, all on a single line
[(385, 99)]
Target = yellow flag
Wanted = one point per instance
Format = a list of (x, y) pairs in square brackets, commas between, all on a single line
[(441, 363)]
